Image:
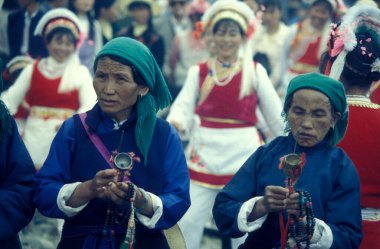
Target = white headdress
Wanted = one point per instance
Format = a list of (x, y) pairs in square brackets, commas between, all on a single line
[(59, 17)]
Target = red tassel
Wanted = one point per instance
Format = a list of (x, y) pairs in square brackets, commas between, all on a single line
[(328, 68)]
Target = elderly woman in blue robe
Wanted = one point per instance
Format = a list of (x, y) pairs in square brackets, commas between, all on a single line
[(117, 174), (315, 206)]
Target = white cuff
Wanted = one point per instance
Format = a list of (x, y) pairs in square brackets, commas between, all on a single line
[(245, 210), (150, 222), (322, 236), (64, 194)]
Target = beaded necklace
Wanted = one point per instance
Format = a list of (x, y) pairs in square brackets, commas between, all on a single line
[(232, 71), (117, 215), (301, 229), (129, 239)]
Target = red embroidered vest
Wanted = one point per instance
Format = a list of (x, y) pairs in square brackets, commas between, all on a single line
[(309, 61), (222, 107), (44, 92)]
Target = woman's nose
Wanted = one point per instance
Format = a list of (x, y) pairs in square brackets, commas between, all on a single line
[(109, 89), (307, 122)]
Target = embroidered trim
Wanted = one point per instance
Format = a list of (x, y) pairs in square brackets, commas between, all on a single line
[(50, 112), (206, 185), (222, 120), (361, 103)]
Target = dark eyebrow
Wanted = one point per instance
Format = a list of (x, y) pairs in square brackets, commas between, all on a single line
[(297, 106)]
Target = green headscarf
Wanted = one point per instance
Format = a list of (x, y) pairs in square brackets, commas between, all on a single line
[(5, 117), (158, 96), (333, 89)]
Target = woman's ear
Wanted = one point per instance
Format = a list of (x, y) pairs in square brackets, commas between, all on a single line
[(144, 91), (336, 118)]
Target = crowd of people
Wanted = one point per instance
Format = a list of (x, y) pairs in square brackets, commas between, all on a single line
[(122, 122)]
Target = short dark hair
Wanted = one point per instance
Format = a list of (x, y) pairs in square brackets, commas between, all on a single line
[(135, 5), (357, 68), (99, 4), (137, 77), (275, 4), (324, 3), (226, 22), (60, 31)]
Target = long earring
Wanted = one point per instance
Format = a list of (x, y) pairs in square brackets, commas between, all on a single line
[(332, 126)]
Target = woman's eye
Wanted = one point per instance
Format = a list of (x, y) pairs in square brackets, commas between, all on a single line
[(319, 114), (122, 79), (298, 112), (100, 76)]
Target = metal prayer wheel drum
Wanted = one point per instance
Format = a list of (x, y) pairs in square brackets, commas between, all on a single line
[(291, 165), (123, 161)]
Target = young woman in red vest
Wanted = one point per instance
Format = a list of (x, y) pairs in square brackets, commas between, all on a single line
[(217, 108), (55, 87)]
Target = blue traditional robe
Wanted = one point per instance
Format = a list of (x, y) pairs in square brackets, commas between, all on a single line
[(74, 158), (328, 175), (16, 188)]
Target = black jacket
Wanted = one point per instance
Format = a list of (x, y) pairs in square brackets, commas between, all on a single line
[(15, 31)]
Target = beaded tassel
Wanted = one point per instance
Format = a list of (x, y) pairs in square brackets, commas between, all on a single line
[(130, 235), (108, 229)]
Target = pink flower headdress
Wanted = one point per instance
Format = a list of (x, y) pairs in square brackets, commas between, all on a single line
[(343, 39)]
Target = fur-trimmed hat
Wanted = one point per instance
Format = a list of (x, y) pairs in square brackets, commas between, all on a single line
[(229, 9)]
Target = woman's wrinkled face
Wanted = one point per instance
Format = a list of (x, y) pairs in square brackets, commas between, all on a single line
[(116, 89), (310, 117), (319, 15), (61, 47), (227, 40)]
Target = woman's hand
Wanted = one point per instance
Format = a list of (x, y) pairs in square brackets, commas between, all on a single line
[(101, 181), (95, 188), (274, 200), (292, 204), (118, 193)]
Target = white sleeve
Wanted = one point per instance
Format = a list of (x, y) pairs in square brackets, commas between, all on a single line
[(262, 126), (98, 37), (87, 95), (64, 194), (245, 210), (17, 92), (183, 108), (322, 236), (269, 103), (157, 208), (285, 61)]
